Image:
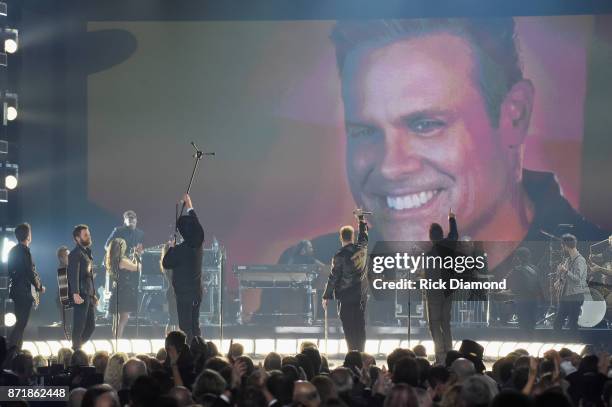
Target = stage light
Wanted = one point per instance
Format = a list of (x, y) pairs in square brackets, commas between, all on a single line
[(406, 344), (7, 245), (30, 347), (372, 346), (122, 345), (247, 344), (11, 40), (506, 348), (534, 348), (429, 347), (575, 347), (11, 113), (55, 346), (264, 346), (10, 106), (88, 348), (331, 348), (66, 343), (521, 345), (9, 318), (217, 343), (286, 346), (10, 181), (140, 346), (10, 46), (157, 344), (43, 348), (388, 345), (103, 345), (491, 349), (545, 347)]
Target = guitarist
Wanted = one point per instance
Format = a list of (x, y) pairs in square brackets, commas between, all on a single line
[(133, 238), (129, 232), (571, 284), (22, 276)]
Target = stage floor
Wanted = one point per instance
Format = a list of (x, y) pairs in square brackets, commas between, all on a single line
[(399, 335)]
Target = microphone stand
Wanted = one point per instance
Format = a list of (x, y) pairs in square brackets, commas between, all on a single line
[(199, 154)]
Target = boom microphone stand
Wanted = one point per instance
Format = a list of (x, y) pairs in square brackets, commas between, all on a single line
[(199, 154)]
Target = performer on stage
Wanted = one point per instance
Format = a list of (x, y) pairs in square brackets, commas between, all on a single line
[(129, 232), (81, 287), (172, 324), (439, 302), (523, 283), (22, 277), (124, 273), (185, 260), (571, 284), (347, 283), (133, 237)]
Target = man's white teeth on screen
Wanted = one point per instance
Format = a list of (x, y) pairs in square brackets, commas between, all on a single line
[(410, 201)]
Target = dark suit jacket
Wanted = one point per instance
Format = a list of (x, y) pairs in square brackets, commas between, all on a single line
[(185, 260), (80, 272), (345, 279), (444, 248), (22, 272)]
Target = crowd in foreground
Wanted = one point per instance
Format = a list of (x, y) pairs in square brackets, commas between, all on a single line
[(197, 374)]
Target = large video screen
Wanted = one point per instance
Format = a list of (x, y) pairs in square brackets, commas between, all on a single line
[(308, 120)]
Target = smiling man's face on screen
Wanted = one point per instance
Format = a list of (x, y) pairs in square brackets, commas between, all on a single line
[(421, 137)]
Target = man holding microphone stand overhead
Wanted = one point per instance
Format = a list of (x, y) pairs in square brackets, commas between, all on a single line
[(347, 282)]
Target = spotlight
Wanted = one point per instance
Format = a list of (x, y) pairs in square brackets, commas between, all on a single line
[(11, 113), (10, 107), (264, 346), (286, 346), (11, 40), (10, 181), (141, 346), (7, 245), (9, 319)]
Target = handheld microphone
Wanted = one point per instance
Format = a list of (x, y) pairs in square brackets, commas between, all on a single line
[(357, 212)]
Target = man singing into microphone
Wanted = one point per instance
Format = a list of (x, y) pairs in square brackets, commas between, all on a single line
[(347, 283), (185, 260)]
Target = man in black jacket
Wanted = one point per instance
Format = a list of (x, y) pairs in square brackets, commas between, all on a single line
[(439, 301), (346, 282), (185, 260), (23, 276), (81, 287)]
